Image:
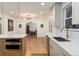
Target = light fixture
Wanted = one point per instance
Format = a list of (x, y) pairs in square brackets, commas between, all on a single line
[(42, 3), (12, 12), (41, 12)]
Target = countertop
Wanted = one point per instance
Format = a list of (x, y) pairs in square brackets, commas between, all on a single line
[(71, 47), (13, 36)]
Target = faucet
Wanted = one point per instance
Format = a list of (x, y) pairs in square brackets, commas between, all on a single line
[(67, 35), (61, 29)]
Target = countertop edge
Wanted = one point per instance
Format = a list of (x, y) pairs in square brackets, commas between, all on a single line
[(59, 44)]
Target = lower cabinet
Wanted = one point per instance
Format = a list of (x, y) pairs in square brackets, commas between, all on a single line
[(56, 50), (24, 46), (2, 47)]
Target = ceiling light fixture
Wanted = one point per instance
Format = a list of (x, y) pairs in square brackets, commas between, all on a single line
[(42, 3), (41, 12), (12, 12)]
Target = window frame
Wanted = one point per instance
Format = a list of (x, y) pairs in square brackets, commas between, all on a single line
[(64, 12)]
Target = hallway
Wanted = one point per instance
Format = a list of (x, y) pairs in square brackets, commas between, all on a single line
[(35, 46)]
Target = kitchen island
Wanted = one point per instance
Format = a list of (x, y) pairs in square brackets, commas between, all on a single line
[(12, 45)]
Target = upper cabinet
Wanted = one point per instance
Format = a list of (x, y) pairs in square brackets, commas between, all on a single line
[(75, 13)]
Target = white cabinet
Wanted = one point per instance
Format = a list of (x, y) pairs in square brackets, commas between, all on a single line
[(2, 46), (75, 13), (53, 49), (56, 50)]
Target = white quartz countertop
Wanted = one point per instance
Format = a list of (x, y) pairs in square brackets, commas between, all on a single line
[(13, 36), (71, 47)]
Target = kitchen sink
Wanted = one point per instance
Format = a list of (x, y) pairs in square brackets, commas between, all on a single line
[(60, 39)]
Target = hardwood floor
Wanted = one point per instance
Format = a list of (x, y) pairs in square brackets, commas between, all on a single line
[(35, 46), (31, 46)]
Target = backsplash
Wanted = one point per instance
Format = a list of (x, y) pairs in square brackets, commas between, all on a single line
[(73, 35)]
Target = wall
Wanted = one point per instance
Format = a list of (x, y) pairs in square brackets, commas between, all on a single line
[(59, 26), (73, 35), (56, 19), (42, 31), (58, 15), (51, 19), (1, 22), (4, 23)]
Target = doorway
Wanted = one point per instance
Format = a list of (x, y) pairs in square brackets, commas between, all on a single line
[(31, 29), (27, 29)]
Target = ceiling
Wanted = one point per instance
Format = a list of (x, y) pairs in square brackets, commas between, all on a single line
[(26, 8)]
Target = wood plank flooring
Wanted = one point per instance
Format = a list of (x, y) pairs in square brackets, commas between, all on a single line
[(31, 46), (35, 46)]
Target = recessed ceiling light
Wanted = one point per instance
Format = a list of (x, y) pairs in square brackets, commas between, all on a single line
[(12, 12), (42, 3), (41, 12)]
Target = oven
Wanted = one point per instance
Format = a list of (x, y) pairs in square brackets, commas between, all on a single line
[(13, 43)]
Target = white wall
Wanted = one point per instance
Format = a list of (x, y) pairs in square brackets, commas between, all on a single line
[(1, 22), (56, 18), (42, 31), (5, 21), (16, 23), (58, 15)]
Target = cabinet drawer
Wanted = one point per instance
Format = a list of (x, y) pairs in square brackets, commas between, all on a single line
[(2, 41), (12, 53), (2, 46)]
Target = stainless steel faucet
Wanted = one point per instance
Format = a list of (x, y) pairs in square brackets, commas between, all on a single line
[(67, 35), (61, 29)]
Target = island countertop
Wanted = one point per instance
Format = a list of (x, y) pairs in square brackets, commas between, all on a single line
[(13, 36)]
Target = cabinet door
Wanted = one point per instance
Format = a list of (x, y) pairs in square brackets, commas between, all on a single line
[(24, 46), (2, 46), (75, 13), (62, 52), (53, 49), (56, 50), (11, 53)]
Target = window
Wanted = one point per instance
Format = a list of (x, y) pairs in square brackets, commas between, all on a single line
[(69, 12), (68, 16)]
